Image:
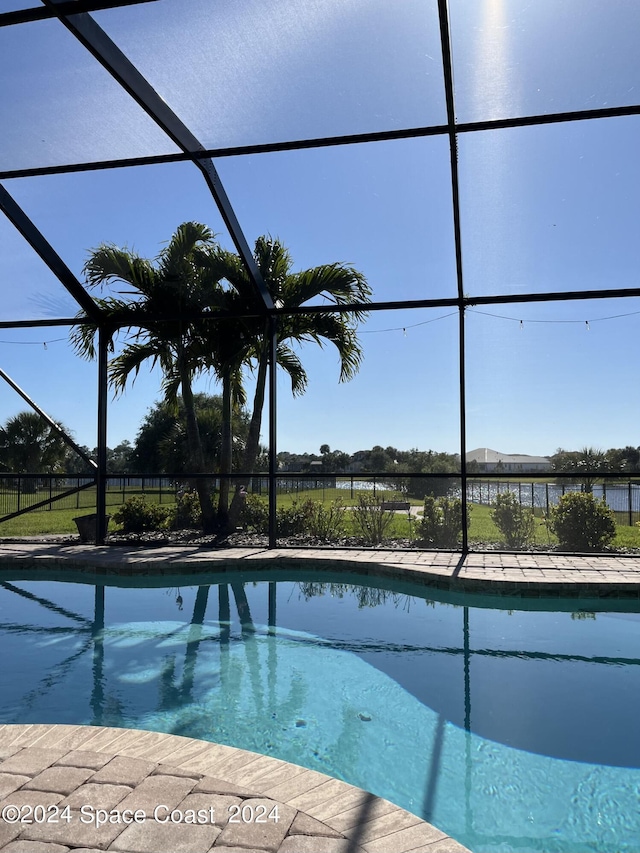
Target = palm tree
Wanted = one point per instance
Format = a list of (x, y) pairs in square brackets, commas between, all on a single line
[(165, 296), (338, 283), (591, 459), (192, 275), (28, 444), (161, 443)]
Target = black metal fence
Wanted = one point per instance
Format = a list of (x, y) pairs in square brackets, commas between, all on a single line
[(20, 493), (623, 498), (43, 493)]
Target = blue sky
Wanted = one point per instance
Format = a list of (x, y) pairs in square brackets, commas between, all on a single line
[(545, 208)]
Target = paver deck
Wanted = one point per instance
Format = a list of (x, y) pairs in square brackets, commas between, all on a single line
[(522, 574), (89, 789)]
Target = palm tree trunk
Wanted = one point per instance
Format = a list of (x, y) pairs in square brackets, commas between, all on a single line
[(226, 451), (196, 453), (244, 611), (253, 439), (193, 643)]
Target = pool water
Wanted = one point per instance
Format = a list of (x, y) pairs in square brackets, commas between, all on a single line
[(511, 730)]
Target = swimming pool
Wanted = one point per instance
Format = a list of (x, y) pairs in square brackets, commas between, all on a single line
[(510, 729)]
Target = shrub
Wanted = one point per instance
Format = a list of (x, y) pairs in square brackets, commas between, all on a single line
[(136, 515), (370, 519), (187, 512), (514, 521), (327, 522), (293, 520), (582, 523), (255, 514), (441, 524)]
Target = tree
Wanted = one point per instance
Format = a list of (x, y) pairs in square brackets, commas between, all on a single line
[(333, 460), (564, 460), (428, 462), (625, 459), (161, 443), (166, 295), (75, 464), (249, 345), (379, 459), (473, 467), (591, 459), (28, 445), (339, 460), (119, 458), (588, 459), (165, 325)]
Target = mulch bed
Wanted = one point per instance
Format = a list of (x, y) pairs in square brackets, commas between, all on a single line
[(242, 539)]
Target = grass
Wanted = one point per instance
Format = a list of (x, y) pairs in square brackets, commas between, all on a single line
[(345, 495), (482, 528), (627, 537), (57, 521)]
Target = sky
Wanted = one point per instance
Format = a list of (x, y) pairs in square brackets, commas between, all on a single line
[(551, 208)]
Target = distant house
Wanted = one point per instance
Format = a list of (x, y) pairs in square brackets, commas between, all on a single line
[(357, 462), (512, 463)]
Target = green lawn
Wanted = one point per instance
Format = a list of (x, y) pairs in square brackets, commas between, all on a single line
[(345, 495), (627, 537), (482, 528)]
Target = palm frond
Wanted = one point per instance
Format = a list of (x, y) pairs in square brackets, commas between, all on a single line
[(238, 392), (130, 361), (274, 262), (240, 293), (108, 264), (337, 329), (171, 382), (289, 361), (177, 253), (338, 283), (117, 313), (82, 338)]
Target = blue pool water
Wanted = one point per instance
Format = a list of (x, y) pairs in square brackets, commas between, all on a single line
[(511, 730)]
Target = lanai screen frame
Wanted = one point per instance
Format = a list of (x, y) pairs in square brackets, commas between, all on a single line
[(75, 15)]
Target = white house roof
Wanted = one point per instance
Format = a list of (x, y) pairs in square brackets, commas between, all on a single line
[(485, 454)]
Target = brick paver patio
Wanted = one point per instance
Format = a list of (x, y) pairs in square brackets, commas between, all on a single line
[(89, 789)]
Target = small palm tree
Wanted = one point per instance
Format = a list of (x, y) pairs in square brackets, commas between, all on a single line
[(165, 296), (591, 459)]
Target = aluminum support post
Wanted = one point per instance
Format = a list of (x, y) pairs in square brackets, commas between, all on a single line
[(273, 462), (101, 474)]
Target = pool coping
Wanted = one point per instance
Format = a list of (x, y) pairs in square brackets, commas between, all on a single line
[(142, 769), (524, 575)]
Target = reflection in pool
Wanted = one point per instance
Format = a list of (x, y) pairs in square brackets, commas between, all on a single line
[(509, 729)]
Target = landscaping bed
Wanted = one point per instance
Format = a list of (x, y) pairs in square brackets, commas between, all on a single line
[(257, 540)]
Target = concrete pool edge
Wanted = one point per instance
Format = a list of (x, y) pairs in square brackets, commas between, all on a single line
[(320, 814), (519, 575)]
